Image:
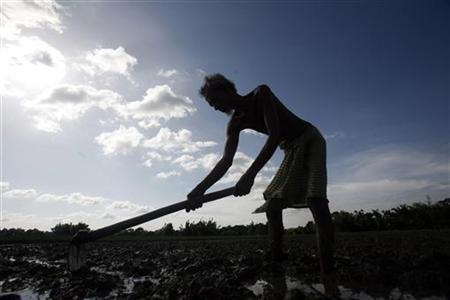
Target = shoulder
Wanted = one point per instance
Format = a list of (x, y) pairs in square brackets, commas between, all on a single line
[(263, 94), (262, 89)]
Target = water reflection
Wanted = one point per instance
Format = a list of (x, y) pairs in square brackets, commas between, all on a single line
[(281, 286)]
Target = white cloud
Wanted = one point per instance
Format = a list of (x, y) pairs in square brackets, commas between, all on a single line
[(120, 141), (151, 156), (253, 132), (129, 207), (73, 198), (100, 209), (107, 60), (180, 141), (165, 175), (68, 102), (386, 176), (107, 215), (74, 217), (30, 14), (167, 73), (28, 66), (28, 63), (159, 103), (20, 194), (241, 163), (335, 135), (393, 162), (20, 220), (208, 161), (382, 193), (200, 72), (189, 162), (4, 186)]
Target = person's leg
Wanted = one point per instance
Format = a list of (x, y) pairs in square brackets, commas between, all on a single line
[(276, 230), (318, 204), (325, 241)]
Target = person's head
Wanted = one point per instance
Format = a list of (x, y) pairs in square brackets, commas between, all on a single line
[(218, 91)]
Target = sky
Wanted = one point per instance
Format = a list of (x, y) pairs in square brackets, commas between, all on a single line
[(101, 119)]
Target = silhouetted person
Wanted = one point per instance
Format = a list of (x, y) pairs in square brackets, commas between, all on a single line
[(301, 178)]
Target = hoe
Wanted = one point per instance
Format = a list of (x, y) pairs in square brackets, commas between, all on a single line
[(77, 255)]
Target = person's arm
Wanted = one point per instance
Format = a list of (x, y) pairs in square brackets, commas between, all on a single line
[(223, 164), (273, 128), (221, 167)]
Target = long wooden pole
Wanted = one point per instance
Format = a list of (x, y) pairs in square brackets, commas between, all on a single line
[(89, 236)]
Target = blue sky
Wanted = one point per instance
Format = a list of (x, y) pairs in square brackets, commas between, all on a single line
[(101, 117)]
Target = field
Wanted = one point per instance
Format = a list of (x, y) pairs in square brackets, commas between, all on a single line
[(396, 265)]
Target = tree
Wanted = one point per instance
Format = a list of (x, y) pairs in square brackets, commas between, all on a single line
[(68, 229)]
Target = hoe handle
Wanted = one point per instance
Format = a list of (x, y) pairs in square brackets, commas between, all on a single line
[(88, 236)]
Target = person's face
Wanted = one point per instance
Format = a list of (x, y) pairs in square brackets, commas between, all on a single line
[(221, 101)]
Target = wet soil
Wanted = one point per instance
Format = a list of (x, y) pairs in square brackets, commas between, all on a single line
[(380, 264)]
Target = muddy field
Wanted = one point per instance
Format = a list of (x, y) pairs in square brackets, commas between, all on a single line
[(395, 265)]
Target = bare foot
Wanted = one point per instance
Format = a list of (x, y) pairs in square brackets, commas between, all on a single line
[(330, 285)]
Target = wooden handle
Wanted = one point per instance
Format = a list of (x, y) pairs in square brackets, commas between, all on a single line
[(88, 236)]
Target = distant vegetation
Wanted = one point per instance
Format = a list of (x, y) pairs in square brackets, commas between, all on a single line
[(404, 217)]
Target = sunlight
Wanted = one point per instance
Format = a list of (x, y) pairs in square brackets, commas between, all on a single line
[(29, 65)]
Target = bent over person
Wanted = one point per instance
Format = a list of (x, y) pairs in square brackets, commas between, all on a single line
[(300, 181)]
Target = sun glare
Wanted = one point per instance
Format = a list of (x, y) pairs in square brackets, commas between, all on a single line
[(30, 65)]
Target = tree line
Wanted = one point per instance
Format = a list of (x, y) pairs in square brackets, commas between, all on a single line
[(404, 217)]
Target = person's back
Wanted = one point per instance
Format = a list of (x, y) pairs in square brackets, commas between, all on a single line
[(291, 126)]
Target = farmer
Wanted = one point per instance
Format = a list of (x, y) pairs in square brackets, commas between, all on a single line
[(301, 179)]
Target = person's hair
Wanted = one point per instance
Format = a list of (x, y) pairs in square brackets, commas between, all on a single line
[(216, 82)]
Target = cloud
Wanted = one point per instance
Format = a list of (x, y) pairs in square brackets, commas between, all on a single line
[(253, 132), (165, 175), (335, 135), (108, 216), (70, 102), (151, 156), (67, 102), (74, 217), (73, 198), (4, 186), (120, 141), (167, 73), (100, 209), (129, 206), (20, 220), (107, 60), (199, 72), (30, 14), (393, 162), (241, 163), (386, 176), (180, 141), (29, 65), (20, 194), (159, 103), (383, 193), (189, 162)]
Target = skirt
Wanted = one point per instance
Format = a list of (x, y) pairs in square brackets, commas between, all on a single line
[(301, 175)]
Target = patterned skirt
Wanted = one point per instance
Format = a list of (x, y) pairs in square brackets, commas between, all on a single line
[(301, 175)]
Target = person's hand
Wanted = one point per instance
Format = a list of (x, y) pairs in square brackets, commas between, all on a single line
[(194, 199), (244, 185)]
